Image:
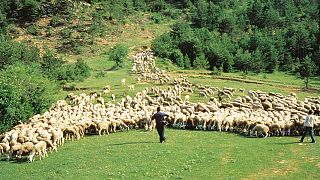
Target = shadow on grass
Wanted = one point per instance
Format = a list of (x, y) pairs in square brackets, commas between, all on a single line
[(113, 68), (17, 161), (128, 143)]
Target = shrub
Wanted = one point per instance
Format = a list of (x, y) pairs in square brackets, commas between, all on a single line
[(12, 52), (13, 31), (157, 18), (118, 54), (72, 46), (57, 21), (24, 92), (33, 30), (49, 31), (100, 74), (216, 71)]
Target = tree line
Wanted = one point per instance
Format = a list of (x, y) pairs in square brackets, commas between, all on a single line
[(246, 35)]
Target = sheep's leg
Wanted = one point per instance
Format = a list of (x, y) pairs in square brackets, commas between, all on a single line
[(114, 127), (107, 129)]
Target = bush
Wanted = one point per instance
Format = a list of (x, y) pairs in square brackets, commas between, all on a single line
[(72, 72), (24, 92), (118, 54), (157, 18), (50, 64), (216, 71), (49, 31), (72, 46), (33, 30), (12, 52), (57, 21), (13, 31), (100, 74), (172, 13), (66, 33)]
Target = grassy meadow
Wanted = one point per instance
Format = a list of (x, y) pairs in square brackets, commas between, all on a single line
[(186, 155)]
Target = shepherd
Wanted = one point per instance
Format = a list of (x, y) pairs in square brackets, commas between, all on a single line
[(308, 126), (160, 123)]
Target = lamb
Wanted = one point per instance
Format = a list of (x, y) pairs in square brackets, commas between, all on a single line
[(123, 82), (15, 148), (260, 129)]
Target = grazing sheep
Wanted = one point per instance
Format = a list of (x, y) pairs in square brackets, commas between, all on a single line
[(103, 127), (25, 148), (260, 129), (40, 149), (131, 87)]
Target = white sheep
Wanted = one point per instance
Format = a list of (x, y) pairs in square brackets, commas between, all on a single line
[(123, 82), (103, 127), (113, 97), (260, 129), (131, 87), (40, 149)]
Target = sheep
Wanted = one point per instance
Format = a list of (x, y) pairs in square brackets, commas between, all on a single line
[(186, 98), (106, 89), (117, 123), (131, 87), (202, 94), (113, 97), (103, 127), (25, 148), (123, 82), (40, 149), (100, 100), (260, 129)]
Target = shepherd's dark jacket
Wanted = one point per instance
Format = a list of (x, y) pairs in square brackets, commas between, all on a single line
[(159, 117)]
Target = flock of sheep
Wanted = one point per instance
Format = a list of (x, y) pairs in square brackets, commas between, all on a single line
[(254, 113)]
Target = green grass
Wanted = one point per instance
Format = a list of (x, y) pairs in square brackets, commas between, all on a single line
[(187, 155)]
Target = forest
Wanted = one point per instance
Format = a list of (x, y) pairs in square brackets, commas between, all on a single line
[(248, 36)]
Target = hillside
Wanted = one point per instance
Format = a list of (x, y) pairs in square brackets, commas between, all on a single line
[(243, 44)]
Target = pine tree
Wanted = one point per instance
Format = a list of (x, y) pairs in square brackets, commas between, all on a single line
[(306, 70), (201, 62), (187, 62)]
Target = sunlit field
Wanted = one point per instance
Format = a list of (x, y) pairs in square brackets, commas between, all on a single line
[(136, 154)]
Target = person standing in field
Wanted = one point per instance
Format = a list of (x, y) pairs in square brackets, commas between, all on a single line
[(160, 123), (308, 126)]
